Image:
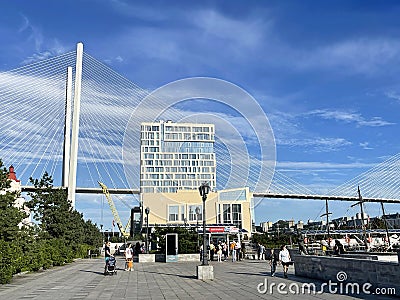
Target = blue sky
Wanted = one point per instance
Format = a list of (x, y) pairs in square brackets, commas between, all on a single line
[(325, 73)]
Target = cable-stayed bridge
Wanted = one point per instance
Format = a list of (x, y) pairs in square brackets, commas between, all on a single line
[(33, 111)]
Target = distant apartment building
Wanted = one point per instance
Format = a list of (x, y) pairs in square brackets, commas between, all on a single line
[(176, 156), (266, 226), (393, 220), (282, 225), (299, 225)]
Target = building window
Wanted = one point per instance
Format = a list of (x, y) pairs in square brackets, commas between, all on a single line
[(237, 215), (173, 212), (183, 213), (227, 213), (192, 212)]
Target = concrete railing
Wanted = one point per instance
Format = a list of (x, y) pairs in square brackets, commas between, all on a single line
[(380, 274)]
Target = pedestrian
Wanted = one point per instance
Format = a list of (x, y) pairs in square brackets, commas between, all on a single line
[(212, 250), (129, 258), (302, 248), (323, 247), (219, 251), (238, 249), (259, 249), (243, 250), (273, 261), (263, 254), (225, 251), (137, 248), (107, 254), (284, 258), (232, 247), (107, 251), (338, 248)]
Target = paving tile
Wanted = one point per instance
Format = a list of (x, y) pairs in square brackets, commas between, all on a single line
[(84, 279)]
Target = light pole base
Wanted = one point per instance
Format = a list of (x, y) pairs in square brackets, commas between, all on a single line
[(205, 272)]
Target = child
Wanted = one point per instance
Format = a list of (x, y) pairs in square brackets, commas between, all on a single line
[(129, 258)]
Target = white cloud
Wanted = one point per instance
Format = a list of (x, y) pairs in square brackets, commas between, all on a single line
[(393, 95), (366, 146), (317, 144), (364, 55), (244, 33), (142, 12), (348, 117), (321, 165), (34, 33)]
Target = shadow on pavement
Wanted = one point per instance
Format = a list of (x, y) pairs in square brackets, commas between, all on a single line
[(170, 274), (252, 274), (94, 272)]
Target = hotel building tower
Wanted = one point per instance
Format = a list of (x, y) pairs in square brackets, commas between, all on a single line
[(176, 156)]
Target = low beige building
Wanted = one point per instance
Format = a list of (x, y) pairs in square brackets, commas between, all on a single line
[(228, 211)]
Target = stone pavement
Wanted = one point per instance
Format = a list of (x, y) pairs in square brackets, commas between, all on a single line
[(84, 279)]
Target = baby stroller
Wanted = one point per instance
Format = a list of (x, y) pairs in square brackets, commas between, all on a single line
[(111, 266)]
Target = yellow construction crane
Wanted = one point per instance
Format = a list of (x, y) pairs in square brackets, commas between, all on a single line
[(124, 231)]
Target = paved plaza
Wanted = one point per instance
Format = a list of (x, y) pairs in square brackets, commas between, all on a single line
[(84, 279)]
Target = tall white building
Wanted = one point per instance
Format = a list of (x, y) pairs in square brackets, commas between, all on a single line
[(176, 156)]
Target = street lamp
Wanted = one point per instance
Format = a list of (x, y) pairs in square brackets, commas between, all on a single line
[(204, 189), (197, 210), (102, 232), (147, 211)]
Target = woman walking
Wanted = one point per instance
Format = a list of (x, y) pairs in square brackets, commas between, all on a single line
[(284, 258)]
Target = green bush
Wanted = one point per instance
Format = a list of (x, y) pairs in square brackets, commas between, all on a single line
[(6, 269)]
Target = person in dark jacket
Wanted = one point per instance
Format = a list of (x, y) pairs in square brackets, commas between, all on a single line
[(273, 261)]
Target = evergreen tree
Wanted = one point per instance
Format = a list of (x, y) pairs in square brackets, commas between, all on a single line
[(57, 218)]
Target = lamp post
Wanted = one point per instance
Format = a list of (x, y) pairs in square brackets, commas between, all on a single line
[(197, 225), (102, 233), (147, 211), (204, 189)]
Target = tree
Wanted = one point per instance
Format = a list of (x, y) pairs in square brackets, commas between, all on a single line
[(50, 207), (92, 234), (10, 215), (57, 218)]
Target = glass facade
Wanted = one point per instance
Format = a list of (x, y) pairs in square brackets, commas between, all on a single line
[(176, 156)]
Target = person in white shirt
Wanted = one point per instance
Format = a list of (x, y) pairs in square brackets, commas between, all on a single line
[(129, 258), (284, 258)]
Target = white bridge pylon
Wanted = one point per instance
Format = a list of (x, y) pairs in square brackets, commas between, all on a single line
[(71, 151)]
